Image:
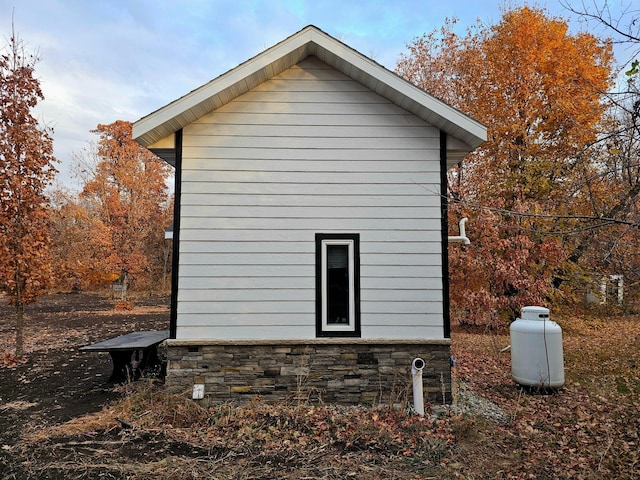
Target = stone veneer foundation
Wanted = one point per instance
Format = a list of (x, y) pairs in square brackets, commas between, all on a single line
[(332, 371)]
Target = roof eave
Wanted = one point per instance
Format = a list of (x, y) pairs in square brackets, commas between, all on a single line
[(221, 90), (289, 52), (399, 91)]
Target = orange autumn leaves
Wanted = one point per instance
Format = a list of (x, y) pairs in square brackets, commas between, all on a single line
[(26, 168), (539, 89), (531, 191), (115, 226)]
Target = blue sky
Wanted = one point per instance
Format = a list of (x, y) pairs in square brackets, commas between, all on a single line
[(104, 60)]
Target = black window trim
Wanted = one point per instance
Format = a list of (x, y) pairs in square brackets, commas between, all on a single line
[(355, 237)]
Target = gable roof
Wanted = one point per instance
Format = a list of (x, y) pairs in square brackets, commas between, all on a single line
[(311, 41)]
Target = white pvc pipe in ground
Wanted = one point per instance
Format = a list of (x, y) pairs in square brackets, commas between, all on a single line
[(418, 391)]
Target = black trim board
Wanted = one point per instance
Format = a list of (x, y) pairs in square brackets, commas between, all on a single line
[(173, 318), (357, 331), (444, 219), (167, 154)]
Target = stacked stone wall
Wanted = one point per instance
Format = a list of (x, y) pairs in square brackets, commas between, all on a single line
[(341, 372)]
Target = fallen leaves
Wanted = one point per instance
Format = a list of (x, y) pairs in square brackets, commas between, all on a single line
[(17, 405), (589, 428), (124, 305), (10, 360), (291, 434)]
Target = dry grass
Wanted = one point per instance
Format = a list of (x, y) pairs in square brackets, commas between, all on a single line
[(151, 433), (590, 429)]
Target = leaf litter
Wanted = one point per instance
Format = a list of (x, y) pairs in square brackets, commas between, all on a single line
[(589, 429)]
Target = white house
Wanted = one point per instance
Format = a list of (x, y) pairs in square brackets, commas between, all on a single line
[(310, 233)]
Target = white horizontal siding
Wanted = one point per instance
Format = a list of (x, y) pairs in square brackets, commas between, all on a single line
[(288, 188), (312, 108), (347, 201), (267, 328), (379, 314), (292, 319), (271, 329), (252, 311), (310, 151), (380, 235), (328, 83), (328, 150), (308, 212), (301, 143), (201, 134), (193, 283), (327, 221), (271, 246), (425, 330), (307, 177), (295, 292), (288, 258), (293, 98), (225, 118), (274, 271), (292, 165)]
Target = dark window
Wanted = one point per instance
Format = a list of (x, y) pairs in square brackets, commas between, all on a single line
[(337, 285)]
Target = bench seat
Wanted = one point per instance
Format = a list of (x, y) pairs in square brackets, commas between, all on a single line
[(122, 350)]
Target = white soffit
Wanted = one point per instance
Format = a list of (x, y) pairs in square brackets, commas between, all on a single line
[(308, 42)]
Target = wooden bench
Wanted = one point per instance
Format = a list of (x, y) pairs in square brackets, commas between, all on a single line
[(123, 348)]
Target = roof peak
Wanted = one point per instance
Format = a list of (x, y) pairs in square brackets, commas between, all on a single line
[(309, 41)]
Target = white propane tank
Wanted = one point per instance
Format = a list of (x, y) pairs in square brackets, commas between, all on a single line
[(536, 349)]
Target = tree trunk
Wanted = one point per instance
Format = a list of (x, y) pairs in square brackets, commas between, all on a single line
[(165, 268), (19, 328), (622, 207), (125, 286)]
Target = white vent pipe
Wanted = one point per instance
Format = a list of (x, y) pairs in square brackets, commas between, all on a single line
[(462, 238), (418, 392)]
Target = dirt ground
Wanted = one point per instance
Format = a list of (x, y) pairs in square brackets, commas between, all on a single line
[(57, 385), (590, 429), (58, 382)]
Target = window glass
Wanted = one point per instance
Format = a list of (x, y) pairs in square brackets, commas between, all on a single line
[(337, 284)]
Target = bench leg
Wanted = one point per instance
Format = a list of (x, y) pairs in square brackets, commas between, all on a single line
[(122, 370), (149, 359)]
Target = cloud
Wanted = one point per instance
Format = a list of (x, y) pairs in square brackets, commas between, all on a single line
[(103, 60)]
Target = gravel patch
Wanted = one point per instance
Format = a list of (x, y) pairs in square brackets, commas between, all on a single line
[(469, 402)]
